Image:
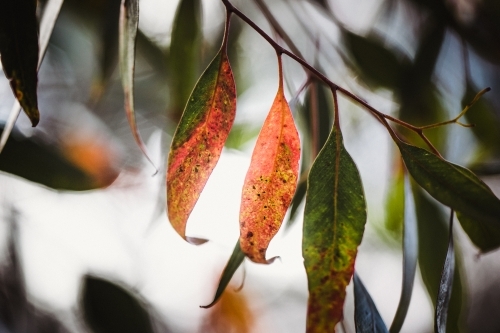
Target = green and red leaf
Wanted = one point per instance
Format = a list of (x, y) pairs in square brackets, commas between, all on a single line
[(19, 52), (334, 222), (271, 180), (199, 138)]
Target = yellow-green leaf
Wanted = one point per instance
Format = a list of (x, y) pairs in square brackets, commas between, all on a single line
[(334, 222)]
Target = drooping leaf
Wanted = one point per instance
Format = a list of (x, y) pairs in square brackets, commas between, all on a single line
[(185, 51), (334, 221), (410, 256), (129, 22), (366, 316), (49, 18), (232, 265), (378, 65), (270, 181), (111, 308), (432, 229), (19, 52), (395, 201), (299, 195), (37, 161), (478, 209), (199, 138), (445, 285)]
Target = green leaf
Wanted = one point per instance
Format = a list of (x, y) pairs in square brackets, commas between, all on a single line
[(185, 51), (299, 195), (111, 308), (395, 202), (35, 160), (445, 285), (432, 229), (199, 138), (19, 52), (232, 265), (378, 65), (478, 209), (366, 316), (129, 22), (334, 222), (410, 255)]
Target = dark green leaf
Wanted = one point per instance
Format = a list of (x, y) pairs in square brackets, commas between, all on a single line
[(410, 255), (19, 52), (432, 230), (185, 50), (232, 265), (37, 161), (366, 316), (445, 285), (478, 209), (334, 221), (111, 308), (299, 195), (378, 65)]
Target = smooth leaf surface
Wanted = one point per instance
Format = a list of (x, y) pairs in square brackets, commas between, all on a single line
[(129, 22), (185, 52), (395, 202), (410, 256), (477, 207), (432, 229), (270, 181), (19, 52), (366, 316), (445, 285), (110, 308), (232, 265), (199, 138), (334, 222)]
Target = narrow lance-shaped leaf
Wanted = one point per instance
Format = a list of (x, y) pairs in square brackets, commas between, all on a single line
[(478, 209), (410, 256), (445, 285), (19, 52), (129, 21), (334, 221), (49, 17), (199, 138), (271, 179), (366, 316), (232, 265)]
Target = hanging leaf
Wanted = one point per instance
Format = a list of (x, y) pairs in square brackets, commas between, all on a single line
[(232, 265), (110, 308), (395, 201), (366, 316), (432, 229), (299, 195), (334, 221), (445, 285), (271, 179), (199, 138), (129, 22), (478, 209), (19, 52), (185, 51), (410, 256)]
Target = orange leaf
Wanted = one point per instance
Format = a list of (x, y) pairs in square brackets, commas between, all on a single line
[(271, 180)]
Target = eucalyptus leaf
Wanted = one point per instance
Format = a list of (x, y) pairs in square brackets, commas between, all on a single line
[(366, 316)]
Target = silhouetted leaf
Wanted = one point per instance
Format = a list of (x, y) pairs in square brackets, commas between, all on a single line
[(270, 181), (432, 229), (185, 50), (19, 52), (334, 221), (199, 138), (410, 255), (232, 265), (378, 65), (129, 22), (478, 209), (111, 308), (366, 316), (38, 161), (445, 285)]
